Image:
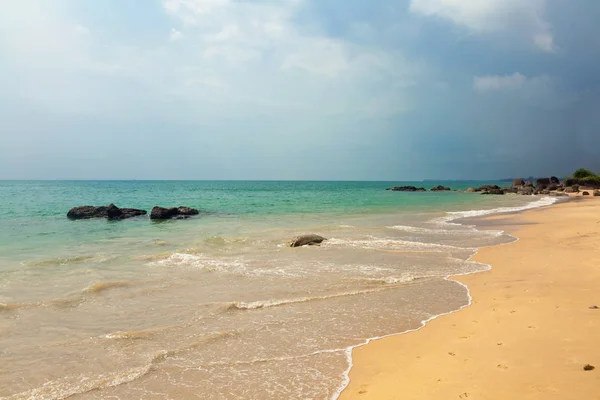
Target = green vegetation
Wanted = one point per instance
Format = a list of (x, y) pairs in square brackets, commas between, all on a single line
[(582, 173), (583, 177)]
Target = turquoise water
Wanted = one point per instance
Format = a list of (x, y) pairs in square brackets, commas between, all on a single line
[(217, 306), (33, 212)]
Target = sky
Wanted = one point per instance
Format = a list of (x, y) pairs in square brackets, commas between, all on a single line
[(298, 89)]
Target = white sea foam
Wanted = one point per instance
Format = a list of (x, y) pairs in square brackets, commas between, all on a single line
[(433, 231), (451, 216), (257, 305), (394, 244)]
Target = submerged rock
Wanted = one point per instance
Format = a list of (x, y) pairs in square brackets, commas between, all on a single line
[(305, 240), (111, 212), (172, 213), (440, 188), (407, 189)]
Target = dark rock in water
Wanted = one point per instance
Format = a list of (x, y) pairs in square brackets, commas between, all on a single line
[(111, 212), (554, 180), (487, 189), (115, 213), (440, 188), (173, 213), (542, 183), (492, 191), (407, 189), (87, 212), (518, 182), (585, 193), (304, 240)]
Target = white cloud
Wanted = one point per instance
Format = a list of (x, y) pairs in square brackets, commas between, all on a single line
[(520, 18), (516, 81), (541, 91), (499, 82), (175, 35)]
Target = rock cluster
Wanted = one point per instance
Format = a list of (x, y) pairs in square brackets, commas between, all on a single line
[(407, 189), (440, 188), (161, 213), (110, 212), (114, 213)]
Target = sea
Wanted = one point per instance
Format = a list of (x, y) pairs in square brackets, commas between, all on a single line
[(218, 306)]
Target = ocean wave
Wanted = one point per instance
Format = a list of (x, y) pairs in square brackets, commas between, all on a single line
[(394, 244), (73, 385), (102, 286), (58, 261), (438, 231), (60, 389), (228, 266), (388, 280), (451, 216), (257, 305)]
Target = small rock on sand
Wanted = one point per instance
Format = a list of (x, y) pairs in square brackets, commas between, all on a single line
[(305, 240)]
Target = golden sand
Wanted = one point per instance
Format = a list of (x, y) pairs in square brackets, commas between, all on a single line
[(528, 334)]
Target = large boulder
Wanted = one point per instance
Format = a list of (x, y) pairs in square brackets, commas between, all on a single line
[(407, 189), (542, 183), (440, 188), (159, 213), (518, 182), (307, 240), (111, 212), (596, 193), (554, 180)]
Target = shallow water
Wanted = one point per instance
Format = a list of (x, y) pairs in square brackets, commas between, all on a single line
[(217, 306)]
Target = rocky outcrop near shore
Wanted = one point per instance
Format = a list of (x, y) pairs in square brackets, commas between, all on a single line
[(407, 189), (110, 212), (307, 240), (162, 213), (440, 188)]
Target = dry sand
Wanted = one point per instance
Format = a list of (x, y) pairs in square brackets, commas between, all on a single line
[(528, 334)]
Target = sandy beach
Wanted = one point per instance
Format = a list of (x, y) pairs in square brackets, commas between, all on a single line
[(531, 328)]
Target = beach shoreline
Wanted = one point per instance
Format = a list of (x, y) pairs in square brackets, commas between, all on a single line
[(415, 366)]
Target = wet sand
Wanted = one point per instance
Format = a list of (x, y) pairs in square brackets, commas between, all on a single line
[(529, 332)]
